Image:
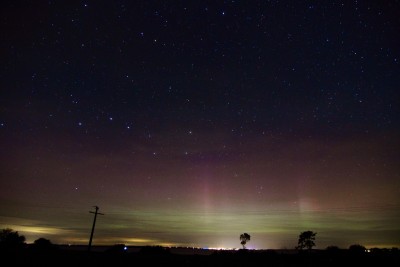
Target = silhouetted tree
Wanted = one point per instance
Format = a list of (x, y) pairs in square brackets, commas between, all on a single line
[(357, 248), (43, 244), (11, 239), (244, 238), (306, 240)]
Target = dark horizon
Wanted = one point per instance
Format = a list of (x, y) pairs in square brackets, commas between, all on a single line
[(122, 256)]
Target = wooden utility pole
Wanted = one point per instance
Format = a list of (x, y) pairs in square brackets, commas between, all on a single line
[(94, 223)]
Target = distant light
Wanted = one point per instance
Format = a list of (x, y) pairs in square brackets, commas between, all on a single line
[(220, 248), (125, 248)]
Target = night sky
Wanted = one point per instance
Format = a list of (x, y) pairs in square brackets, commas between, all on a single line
[(191, 122)]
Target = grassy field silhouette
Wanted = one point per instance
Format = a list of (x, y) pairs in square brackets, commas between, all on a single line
[(120, 255)]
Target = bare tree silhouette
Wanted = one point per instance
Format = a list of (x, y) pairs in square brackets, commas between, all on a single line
[(244, 238)]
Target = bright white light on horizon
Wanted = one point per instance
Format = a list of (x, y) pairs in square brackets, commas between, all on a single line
[(222, 248)]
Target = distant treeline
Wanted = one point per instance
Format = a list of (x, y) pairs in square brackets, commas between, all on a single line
[(15, 251)]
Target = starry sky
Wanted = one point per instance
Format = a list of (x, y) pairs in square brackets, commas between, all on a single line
[(191, 122)]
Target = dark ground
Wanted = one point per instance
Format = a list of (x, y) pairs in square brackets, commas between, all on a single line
[(158, 256)]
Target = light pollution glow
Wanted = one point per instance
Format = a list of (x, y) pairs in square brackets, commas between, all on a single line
[(269, 229)]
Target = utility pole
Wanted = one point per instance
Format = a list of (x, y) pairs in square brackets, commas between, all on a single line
[(94, 223)]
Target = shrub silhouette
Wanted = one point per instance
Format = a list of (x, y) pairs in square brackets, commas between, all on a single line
[(357, 249), (43, 244)]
